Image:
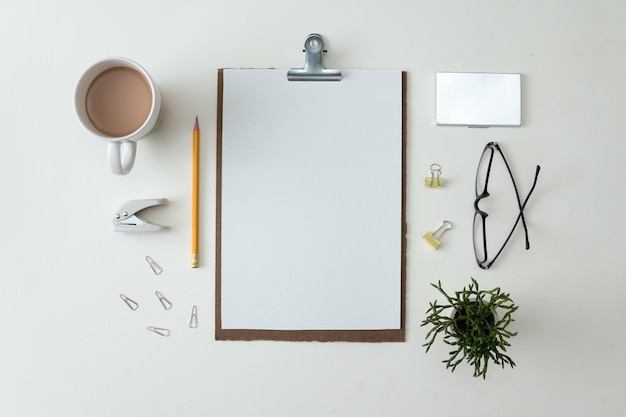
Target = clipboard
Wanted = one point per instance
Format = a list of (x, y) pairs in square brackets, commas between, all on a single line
[(310, 204)]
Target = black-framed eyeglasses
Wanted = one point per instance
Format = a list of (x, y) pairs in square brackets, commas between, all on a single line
[(482, 181)]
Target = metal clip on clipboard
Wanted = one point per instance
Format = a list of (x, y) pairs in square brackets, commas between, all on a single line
[(313, 67)]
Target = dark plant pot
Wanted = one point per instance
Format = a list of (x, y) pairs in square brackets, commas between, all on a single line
[(460, 325)]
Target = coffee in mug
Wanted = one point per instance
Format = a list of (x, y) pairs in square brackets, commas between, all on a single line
[(117, 100)]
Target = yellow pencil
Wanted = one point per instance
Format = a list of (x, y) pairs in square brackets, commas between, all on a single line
[(194, 194)]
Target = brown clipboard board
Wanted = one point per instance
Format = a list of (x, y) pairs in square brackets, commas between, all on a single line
[(320, 335)]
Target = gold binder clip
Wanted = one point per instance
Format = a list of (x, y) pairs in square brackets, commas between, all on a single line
[(432, 238), (435, 180)]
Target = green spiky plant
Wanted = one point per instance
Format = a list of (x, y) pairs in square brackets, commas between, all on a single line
[(470, 322)]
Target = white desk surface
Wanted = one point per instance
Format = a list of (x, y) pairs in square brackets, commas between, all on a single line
[(68, 345)]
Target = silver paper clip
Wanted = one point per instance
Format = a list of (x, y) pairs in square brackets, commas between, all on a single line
[(130, 303), (164, 301), (155, 266), (435, 180), (159, 330), (313, 67), (127, 219), (432, 238), (193, 321)]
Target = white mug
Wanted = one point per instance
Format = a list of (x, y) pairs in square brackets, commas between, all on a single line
[(118, 101)]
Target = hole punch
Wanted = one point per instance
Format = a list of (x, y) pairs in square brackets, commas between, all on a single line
[(127, 217), (193, 321), (435, 180), (155, 266), (432, 238), (164, 301), (130, 303), (158, 330)]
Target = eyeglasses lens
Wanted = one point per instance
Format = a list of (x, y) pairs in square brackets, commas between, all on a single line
[(482, 179), (480, 247), (484, 167)]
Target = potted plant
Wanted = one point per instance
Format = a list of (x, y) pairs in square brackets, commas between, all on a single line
[(474, 322)]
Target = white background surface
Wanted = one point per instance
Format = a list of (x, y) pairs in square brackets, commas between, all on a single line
[(68, 345)]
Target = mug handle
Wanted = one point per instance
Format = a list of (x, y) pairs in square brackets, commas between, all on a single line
[(121, 156)]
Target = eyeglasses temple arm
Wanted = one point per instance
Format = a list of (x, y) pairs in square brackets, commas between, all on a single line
[(519, 200), (519, 216)]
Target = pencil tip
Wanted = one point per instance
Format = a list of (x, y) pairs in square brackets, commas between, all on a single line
[(196, 126)]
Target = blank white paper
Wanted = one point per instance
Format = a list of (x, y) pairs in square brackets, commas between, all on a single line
[(311, 201)]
